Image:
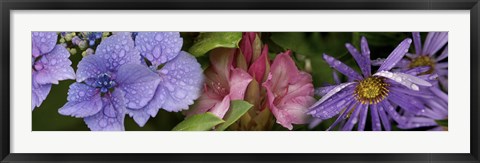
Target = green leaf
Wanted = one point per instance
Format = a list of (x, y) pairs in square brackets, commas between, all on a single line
[(443, 122), (237, 109), (211, 40), (199, 122)]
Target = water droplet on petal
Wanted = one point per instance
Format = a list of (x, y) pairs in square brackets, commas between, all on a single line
[(414, 87), (103, 123)]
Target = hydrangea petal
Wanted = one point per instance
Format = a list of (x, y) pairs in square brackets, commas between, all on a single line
[(180, 84), (105, 122), (90, 67), (138, 83), (39, 93), (43, 42), (118, 50), (159, 47), (396, 55), (341, 67), (56, 66), (83, 101)]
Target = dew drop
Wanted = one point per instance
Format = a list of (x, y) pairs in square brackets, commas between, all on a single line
[(103, 123), (158, 37), (414, 87)]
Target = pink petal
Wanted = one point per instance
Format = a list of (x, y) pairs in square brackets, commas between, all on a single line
[(289, 91), (258, 67), (204, 103), (221, 108), (293, 112), (246, 46), (282, 71), (221, 60), (238, 83), (301, 85)]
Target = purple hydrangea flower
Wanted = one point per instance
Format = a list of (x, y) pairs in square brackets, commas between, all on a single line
[(180, 74), (50, 64), (109, 81), (378, 93)]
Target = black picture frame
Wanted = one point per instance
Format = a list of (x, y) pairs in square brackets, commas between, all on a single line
[(9, 5)]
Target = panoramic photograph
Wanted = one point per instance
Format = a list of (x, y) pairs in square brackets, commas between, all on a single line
[(239, 81)]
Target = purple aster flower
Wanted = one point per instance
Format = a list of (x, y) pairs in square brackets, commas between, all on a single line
[(50, 64), (378, 93), (109, 81), (427, 55), (180, 74)]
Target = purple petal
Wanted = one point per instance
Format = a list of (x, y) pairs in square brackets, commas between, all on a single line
[(118, 50), (180, 84), (441, 65), (83, 101), (391, 112), (439, 93), (39, 93), (366, 54), (436, 41), (406, 102), (421, 94), (341, 67), (360, 59), (444, 82), (353, 118), (363, 117), (443, 55), (159, 47), (409, 81), (43, 42), (332, 106), (384, 118), (56, 66), (322, 91), (417, 42), (376, 126), (138, 83), (90, 67), (337, 88), (344, 114), (112, 116), (416, 122), (396, 55), (314, 123)]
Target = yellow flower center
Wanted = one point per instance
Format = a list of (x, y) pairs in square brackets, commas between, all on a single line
[(371, 90), (423, 61)]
